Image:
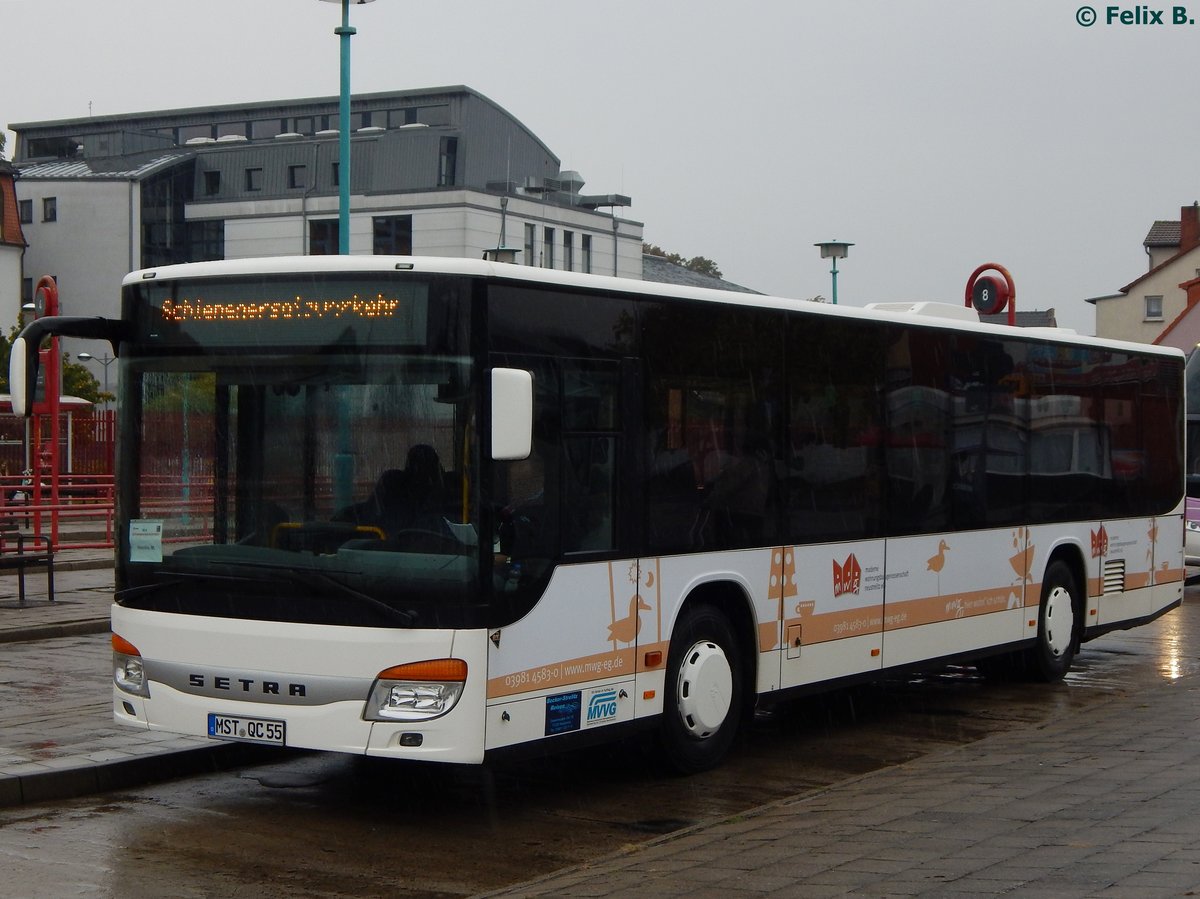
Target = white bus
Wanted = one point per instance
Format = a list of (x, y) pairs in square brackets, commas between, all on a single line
[(440, 509)]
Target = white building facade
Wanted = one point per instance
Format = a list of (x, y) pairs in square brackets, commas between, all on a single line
[(1147, 307)]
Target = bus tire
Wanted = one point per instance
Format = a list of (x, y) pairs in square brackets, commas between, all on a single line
[(1058, 614), (704, 691)]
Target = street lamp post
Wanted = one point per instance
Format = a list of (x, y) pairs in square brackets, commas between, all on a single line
[(345, 32), (105, 360), (835, 250)]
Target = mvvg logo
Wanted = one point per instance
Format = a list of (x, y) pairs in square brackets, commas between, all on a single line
[(847, 577), (1099, 543), (602, 706)]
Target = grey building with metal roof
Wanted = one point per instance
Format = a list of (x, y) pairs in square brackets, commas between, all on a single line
[(436, 171)]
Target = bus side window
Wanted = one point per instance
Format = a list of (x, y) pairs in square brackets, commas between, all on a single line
[(591, 416)]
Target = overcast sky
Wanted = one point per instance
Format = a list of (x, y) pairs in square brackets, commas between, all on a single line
[(936, 135)]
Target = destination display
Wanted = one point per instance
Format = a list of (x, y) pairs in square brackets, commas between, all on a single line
[(282, 313)]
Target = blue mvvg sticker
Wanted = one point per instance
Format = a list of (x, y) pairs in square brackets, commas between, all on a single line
[(602, 706)]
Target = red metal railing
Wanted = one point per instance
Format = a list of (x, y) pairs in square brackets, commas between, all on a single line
[(82, 518)]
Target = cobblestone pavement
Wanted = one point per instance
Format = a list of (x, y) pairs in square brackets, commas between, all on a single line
[(57, 736), (1099, 802)]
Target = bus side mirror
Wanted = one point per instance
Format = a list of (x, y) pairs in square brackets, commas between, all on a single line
[(512, 414), (19, 384), (23, 360)]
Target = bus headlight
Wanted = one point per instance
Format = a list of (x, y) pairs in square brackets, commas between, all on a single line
[(129, 674), (417, 691)]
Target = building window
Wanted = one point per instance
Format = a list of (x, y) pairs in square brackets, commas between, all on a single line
[(50, 209), (585, 252), (254, 179), (297, 176), (398, 117), (191, 132), (206, 240), (433, 115), (448, 162), (26, 291), (393, 235), (548, 248), (261, 129), (164, 239), (1154, 309), (336, 175), (568, 251), (212, 183), (530, 237), (60, 147), (25, 211), (323, 237)]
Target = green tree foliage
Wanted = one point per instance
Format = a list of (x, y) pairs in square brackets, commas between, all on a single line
[(701, 264), (78, 380)]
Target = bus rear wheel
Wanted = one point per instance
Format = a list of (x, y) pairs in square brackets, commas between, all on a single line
[(704, 692), (1051, 657)]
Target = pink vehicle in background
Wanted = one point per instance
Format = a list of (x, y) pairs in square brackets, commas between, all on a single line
[(1191, 531)]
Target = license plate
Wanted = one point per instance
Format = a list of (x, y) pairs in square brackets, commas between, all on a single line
[(250, 730)]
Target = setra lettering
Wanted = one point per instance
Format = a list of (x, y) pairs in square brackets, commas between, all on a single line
[(244, 685)]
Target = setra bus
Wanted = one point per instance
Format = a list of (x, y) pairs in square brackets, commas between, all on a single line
[(440, 509)]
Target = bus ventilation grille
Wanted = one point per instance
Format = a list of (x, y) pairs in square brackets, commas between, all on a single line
[(1114, 576)]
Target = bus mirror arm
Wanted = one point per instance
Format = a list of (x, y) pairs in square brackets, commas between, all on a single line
[(24, 357)]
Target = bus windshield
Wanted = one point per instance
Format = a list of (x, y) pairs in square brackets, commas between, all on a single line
[(322, 482)]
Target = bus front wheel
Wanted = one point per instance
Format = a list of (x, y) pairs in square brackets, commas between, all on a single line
[(1051, 656), (704, 691)]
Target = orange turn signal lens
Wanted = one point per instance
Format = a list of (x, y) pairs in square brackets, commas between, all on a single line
[(429, 670), (123, 646)]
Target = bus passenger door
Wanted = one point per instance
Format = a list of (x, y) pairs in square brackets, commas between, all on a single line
[(832, 574)]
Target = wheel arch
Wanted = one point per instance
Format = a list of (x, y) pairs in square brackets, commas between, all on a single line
[(1071, 555), (731, 599)]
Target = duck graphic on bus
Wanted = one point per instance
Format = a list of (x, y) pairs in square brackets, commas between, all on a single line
[(626, 629)]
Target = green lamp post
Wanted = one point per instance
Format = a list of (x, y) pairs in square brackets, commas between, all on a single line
[(344, 32), (835, 250)]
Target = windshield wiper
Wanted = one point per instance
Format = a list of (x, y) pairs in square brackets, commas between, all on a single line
[(304, 577), (346, 590), (143, 590), (175, 580)]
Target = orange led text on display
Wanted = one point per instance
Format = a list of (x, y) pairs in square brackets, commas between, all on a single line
[(298, 308)]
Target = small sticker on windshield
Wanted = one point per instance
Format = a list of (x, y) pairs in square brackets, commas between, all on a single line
[(145, 540)]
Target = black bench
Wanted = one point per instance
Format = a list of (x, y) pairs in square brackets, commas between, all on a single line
[(22, 551)]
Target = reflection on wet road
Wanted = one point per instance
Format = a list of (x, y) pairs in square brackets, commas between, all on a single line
[(329, 825)]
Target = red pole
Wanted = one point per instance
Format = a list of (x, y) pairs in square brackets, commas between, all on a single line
[(46, 301)]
